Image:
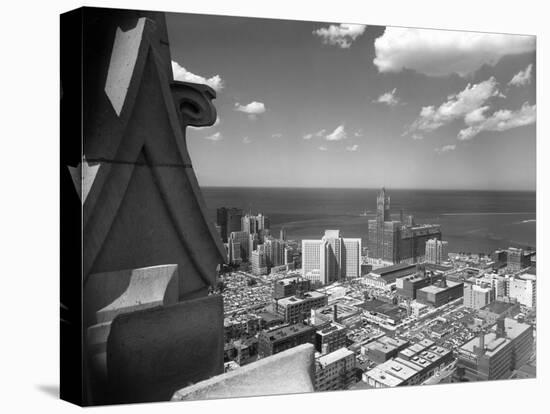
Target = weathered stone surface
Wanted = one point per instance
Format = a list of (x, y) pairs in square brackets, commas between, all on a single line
[(154, 352), (144, 206), (288, 372), (111, 293)]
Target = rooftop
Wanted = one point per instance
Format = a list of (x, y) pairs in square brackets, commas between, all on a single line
[(294, 299), (437, 289), (334, 356), (498, 307), (283, 332), (394, 268)]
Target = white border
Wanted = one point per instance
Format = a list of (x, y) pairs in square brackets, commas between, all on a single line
[(29, 183)]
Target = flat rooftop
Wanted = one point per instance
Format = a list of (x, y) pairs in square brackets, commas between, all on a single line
[(334, 356), (383, 377), (394, 268), (291, 300), (492, 344), (498, 307), (283, 332), (437, 289)]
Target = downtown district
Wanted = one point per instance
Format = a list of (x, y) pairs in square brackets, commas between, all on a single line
[(402, 311)]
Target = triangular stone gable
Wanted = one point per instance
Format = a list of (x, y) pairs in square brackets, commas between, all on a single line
[(145, 193)]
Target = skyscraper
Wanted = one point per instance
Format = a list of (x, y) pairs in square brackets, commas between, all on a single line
[(436, 251), (394, 241), (229, 220), (332, 258)]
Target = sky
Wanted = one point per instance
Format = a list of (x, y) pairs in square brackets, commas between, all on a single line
[(325, 104)]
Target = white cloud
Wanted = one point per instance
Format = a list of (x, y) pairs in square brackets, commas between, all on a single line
[(358, 133), (388, 98), (523, 77), (352, 148), (323, 148), (315, 134), (342, 35), (445, 148), (277, 135), (214, 137), (246, 140), (443, 52), (183, 75), (417, 137), (337, 135), (501, 120), (253, 109), (467, 103)]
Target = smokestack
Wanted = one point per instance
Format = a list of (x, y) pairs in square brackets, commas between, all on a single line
[(481, 347), (501, 330)]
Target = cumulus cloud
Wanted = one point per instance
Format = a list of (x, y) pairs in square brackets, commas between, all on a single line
[(468, 103), (388, 98), (443, 52), (317, 134), (277, 135), (523, 77), (445, 148), (183, 75), (214, 137), (417, 137), (246, 140), (352, 148), (501, 120), (358, 133), (342, 35), (253, 109), (323, 148), (337, 135)]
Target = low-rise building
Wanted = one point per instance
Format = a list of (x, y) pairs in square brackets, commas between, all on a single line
[(497, 353), (289, 286), (412, 366), (335, 371), (383, 349), (477, 296), (276, 340), (523, 288), (330, 338), (296, 308), (441, 293), (385, 277)]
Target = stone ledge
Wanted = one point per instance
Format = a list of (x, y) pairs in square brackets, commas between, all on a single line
[(288, 372)]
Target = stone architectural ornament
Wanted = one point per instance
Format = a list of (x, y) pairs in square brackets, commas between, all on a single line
[(149, 251)]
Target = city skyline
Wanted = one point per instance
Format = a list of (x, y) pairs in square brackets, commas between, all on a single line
[(298, 96)]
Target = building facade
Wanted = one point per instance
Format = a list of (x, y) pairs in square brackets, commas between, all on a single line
[(331, 259), (335, 371)]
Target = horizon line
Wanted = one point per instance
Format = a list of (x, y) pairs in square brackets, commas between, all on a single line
[(369, 188)]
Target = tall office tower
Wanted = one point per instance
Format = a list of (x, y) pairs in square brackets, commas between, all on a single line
[(332, 258), (436, 251), (274, 250), (241, 237), (517, 259), (282, 234), (253, 242), (352, 260), (254, 224), (258, 261), (234, 252), (394, 241), (229, 220)]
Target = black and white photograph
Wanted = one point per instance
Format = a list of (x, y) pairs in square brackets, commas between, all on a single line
[(275, 206), (282, 206)]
